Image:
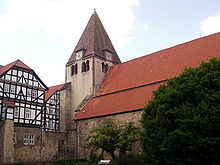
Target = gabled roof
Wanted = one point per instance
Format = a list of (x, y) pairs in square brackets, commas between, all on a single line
[(94, 41), (18, 63), (129, 85), (53, 89)]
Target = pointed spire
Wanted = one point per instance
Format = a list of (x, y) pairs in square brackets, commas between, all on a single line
[(94, 41)]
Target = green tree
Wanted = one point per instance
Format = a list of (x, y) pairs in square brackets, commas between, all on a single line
[(128, 136), (181, 125), (110, 138)]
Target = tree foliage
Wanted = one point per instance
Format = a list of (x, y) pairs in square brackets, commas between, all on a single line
[(181, 125), (110, 137)]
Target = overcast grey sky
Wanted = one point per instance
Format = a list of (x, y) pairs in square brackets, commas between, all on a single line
[(43, 33)]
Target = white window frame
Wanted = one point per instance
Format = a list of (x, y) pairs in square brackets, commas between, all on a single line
[(6, 89), (34, 93), (31, 139), (16, 112), (51, 109), (28, 139), (51, 124), (15, 137), (27, 113), (12, 90), (29, 92)]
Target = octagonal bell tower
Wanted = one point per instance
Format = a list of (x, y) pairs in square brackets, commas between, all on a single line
[(93, 55)]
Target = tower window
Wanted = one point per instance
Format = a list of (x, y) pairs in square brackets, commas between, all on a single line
[(104, 67), (83, 67), (87, 65), (76, 68), (72, 69)]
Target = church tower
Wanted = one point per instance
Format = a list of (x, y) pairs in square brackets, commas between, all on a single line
[(93, 55)]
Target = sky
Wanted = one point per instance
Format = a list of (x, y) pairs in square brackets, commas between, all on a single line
[(44, 33)]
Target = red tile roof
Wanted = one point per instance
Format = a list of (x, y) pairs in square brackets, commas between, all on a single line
[(18, 63), (148, 69), (94, 40), (52, 90)]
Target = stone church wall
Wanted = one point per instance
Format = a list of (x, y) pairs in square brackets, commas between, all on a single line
[(85, 126)]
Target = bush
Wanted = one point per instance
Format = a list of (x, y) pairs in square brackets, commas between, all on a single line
[(71, 161), (181, 125)]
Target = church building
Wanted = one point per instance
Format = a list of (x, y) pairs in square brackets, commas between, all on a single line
[(43, 123)]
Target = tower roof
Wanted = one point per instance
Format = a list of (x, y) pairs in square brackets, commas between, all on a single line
[(94, 41)]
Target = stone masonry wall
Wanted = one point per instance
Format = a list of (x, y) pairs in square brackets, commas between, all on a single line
[(6, 142), (85, 126), (47, 145)]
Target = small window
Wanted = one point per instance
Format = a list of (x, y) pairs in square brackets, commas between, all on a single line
[(16, 112), (51, 124), (106, 68), (103, 67), (76, 68), (12, 90), (83, 67), (28, 139), (6, 89), (15, 137), (28, 92), (27, 113), (34, 93), (31, 139), (51, 109), (87, 65), (72, 69)]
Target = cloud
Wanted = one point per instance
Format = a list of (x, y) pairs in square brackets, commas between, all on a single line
[(68, 18), (211, 25), (145, 26)]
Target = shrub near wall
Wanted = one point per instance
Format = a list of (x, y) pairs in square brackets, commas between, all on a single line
[(182, 123)]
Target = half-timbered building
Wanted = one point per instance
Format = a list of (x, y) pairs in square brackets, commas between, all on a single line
[(52, 110), (22, 95)]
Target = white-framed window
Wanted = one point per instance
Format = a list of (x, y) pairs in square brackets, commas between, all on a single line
[(27, 113), (31, 139), (51, 124), (28, 92), (16, 112), (28, 139), (6, 89), (12, 90), (34, 93), (51, 109), (15, 137)]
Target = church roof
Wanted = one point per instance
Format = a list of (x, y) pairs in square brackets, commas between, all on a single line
[(139, 77), (94, 41)]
